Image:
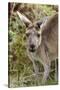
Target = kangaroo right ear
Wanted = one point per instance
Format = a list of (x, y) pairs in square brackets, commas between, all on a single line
[(24, 19)]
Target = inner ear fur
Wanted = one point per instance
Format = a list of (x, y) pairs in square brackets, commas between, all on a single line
[(24, 19), (41, 22)]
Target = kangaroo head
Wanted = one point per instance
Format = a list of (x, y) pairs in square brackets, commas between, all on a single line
[(33, 33)]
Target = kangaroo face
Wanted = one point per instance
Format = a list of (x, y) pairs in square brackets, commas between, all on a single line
[(33, 32), (33, 37)]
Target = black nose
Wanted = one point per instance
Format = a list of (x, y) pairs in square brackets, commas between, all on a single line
[(32, 46)]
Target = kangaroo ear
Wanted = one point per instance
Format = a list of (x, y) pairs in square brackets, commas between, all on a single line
[(24, 19), (38, 24), (41, 22)]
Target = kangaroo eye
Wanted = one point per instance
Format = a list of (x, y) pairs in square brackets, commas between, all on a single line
[(36, 27), (38, 35), (27, 34)]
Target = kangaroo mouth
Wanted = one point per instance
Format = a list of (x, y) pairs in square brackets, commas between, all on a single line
[(32, 50)]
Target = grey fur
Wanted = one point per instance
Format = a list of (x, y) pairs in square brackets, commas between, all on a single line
[(45, 45)]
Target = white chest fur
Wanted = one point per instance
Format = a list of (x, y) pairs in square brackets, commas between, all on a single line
[(34, 57)]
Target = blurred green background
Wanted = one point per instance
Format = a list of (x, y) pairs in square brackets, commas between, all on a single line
[(20, 68)]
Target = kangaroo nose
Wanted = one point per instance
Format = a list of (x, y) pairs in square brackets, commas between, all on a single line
[(32, 46)]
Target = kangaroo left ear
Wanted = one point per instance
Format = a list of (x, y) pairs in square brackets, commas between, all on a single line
[(38, 24), (41, 22)]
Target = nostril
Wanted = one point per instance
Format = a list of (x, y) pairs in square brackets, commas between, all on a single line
[(32, 45)]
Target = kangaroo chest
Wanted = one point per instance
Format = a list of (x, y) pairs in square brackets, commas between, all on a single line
[(35, 57)]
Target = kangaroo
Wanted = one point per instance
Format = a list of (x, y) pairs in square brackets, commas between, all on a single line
[(42, 42)]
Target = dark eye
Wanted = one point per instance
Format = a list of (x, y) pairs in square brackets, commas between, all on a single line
[(36, 27), (38, 35), (27, 34)]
